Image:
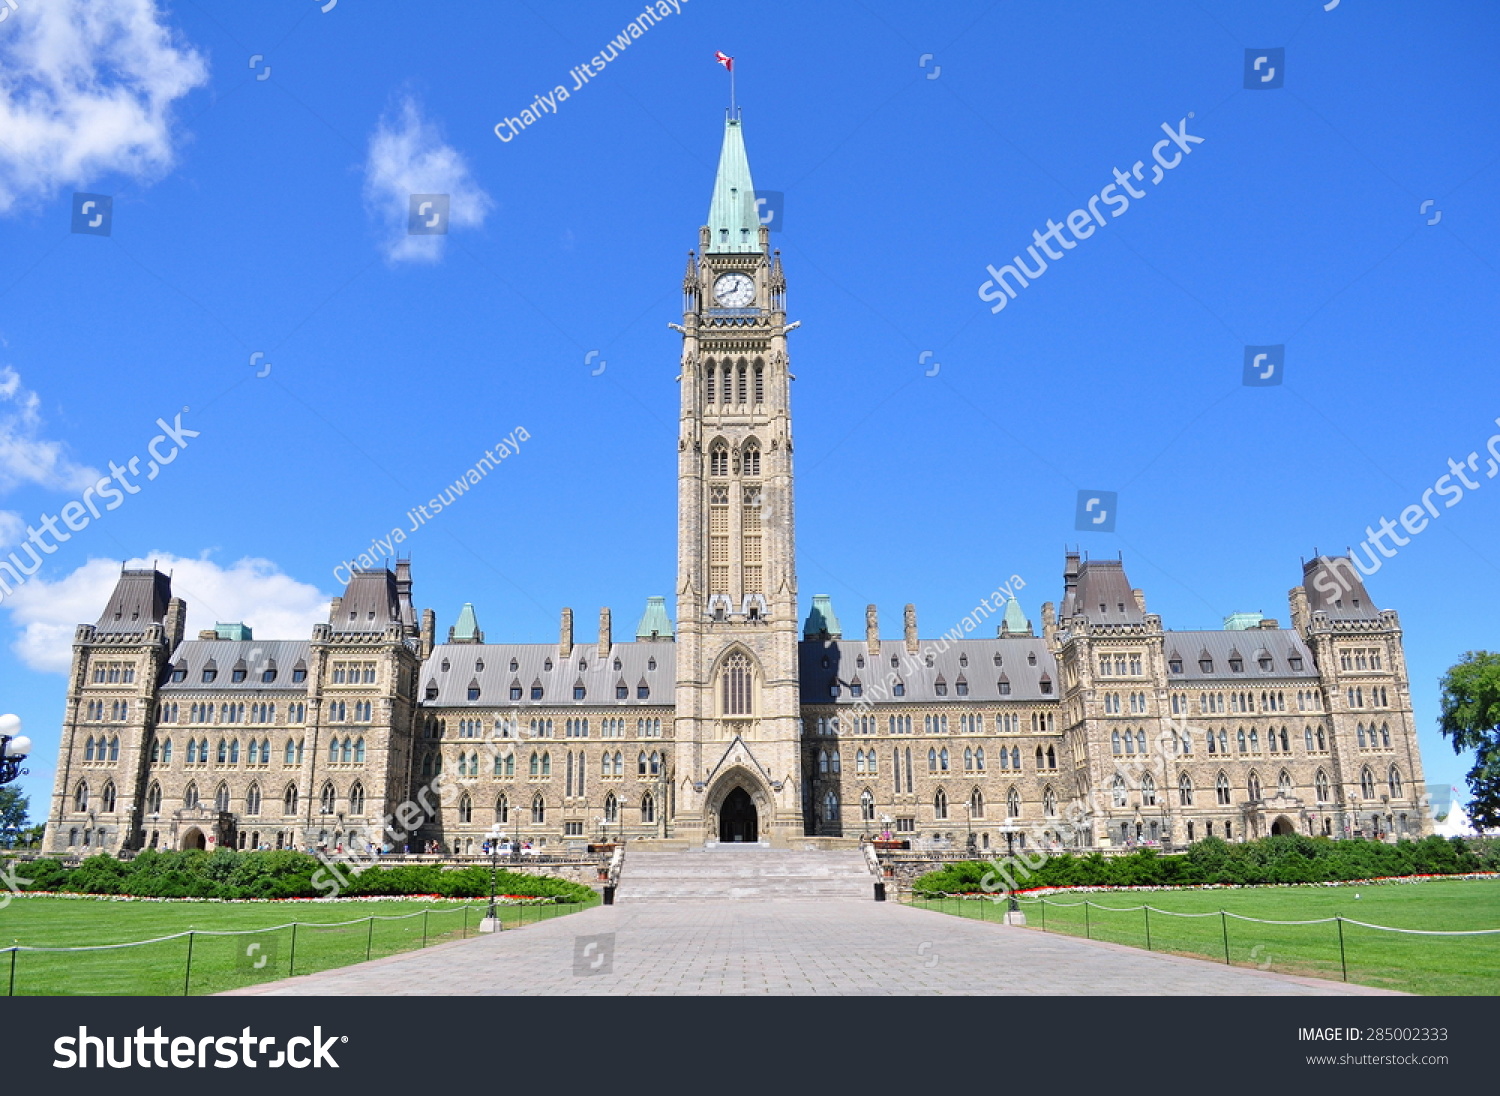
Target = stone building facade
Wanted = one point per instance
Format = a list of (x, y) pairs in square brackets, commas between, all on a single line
[(1103, 729)]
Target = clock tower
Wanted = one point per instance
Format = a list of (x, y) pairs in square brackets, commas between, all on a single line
[(737, 765)]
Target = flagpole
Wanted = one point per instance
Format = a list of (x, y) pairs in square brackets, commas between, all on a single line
[(732, 113)]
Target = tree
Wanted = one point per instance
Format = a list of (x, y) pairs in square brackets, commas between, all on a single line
[(13, 807), (1471, 719)]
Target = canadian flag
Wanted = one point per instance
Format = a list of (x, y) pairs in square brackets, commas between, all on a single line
[(724, 59)]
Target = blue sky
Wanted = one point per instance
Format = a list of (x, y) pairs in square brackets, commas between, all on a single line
[(258, 157)]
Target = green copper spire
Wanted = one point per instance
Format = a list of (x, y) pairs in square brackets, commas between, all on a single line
[(733, 225), (822, 622), (1015, 621), (467, 628), (654, 622)]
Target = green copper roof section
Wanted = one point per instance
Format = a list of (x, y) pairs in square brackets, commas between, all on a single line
[(822, 620), (1240, 622), (732, 222), (233, 631), (654, 622), (1014, 620), (467, 628)]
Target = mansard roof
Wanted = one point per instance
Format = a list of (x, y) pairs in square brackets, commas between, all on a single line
[(254, 656), (1281, 644), (1016, 667), (369, 604), (1334, 586), (1104, 594), (539, 664), (139, 599)]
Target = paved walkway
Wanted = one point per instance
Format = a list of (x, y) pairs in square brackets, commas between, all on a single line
[(833, 947)]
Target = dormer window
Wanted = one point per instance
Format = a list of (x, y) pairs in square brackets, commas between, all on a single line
[(859, 662), (833, 690), (963, 660), (961, 687), (929, 660), (536, 690), (579, 691), (1296, 662), (1265, 664), (514, 665), (479, 666), (1175, 665), (237, 674), (444, 666), (643, 691), (1046, 684), (209, 673), (179, 673), (268, 676), (1031, 659), (547, 665), (1004, 686), (1122, 606), (618, 665), (474, 690), (856, 689), (998, 660), (1236, 665), (895, 661), (582, 665), (299, 674), (622, 691), (899, 689), (1206, 665), (940, 686), (651, 664), (432, 690), (515, 692)]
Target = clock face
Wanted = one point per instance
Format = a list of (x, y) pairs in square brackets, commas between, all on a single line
[(734, 290)]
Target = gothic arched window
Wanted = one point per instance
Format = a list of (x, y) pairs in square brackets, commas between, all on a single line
[(736, 678)]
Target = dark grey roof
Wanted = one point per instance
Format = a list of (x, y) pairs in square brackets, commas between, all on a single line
[(1104, 594), (139, 599), (370, 603), (973, 660), (1250, 645), (598, 677), (1334, 586), (255, 657)]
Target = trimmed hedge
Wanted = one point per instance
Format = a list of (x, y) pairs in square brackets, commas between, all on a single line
[(230, 874), (1281, 859)]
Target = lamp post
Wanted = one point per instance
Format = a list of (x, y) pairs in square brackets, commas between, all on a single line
[(14, 747), (491, 922)]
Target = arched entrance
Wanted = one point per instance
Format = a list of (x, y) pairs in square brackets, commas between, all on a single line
[(194, 839), (738, 819), (1283, 825)]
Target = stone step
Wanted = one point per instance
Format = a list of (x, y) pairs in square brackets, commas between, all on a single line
[(744, 872)]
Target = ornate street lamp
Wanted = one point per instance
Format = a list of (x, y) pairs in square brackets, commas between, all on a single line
[(491, 922), (14, 747)]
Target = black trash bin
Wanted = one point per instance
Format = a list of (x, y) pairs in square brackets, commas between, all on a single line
[(609, 894), (880, 892)]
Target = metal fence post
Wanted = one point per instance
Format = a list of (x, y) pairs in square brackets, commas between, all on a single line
[(424, 928), (370, 940), (1088, 934), (465, 934), (187, 975), (1343, 963), (12, 992), (1044, 915), (291, 962), (1224, 921), (1148, 926)]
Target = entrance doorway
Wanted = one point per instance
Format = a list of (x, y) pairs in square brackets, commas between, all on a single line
[(1283, 825), (738, 821), (194, 839)]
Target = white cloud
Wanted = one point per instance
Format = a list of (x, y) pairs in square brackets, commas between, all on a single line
[(25, 456), (408, 156), (12, 528), (87, 87), (251, 590)]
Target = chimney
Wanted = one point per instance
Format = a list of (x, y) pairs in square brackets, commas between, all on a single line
[(176, 623), (565, 635), (429, 632), (1049, 625), (912, 642), (872, 631), (209, 633), (333, 610), (1140, 599), (606, 633)]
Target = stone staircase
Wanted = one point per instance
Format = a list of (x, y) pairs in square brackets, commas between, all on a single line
[(744, 872)]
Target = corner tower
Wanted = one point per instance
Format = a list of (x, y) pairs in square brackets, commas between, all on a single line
[(737, 773)]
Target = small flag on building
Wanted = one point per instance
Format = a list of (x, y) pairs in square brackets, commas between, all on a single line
[(724, 59)]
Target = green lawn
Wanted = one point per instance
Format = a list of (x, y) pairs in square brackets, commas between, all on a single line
[(1452, 965), (218, 962)]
